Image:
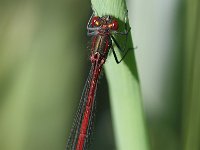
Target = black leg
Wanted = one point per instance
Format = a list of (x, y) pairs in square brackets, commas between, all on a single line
[(115, 55), (126, 32), (117, 44)]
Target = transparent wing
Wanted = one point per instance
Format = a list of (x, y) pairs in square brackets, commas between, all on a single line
[(75, 130)]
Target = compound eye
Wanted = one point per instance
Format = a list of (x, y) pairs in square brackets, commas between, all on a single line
[(114, 25), (95, 21)]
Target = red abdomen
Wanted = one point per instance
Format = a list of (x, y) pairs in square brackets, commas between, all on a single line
[(87, 115)]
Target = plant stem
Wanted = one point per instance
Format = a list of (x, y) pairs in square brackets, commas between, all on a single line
[(124, 88), (191, 112)]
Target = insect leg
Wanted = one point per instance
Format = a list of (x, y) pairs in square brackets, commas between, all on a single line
[(115, 55)]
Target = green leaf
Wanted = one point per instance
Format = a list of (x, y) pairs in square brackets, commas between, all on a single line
[(191, 112), (124, 87)]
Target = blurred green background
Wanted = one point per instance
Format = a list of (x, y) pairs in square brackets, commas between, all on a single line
[(44, 63)]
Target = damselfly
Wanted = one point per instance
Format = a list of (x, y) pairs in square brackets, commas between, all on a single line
[(102, 30)]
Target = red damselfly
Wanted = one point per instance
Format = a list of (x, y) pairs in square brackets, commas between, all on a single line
[(102, 30)]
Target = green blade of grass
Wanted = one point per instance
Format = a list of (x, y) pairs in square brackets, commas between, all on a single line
[(124, 87), (191, 111)]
